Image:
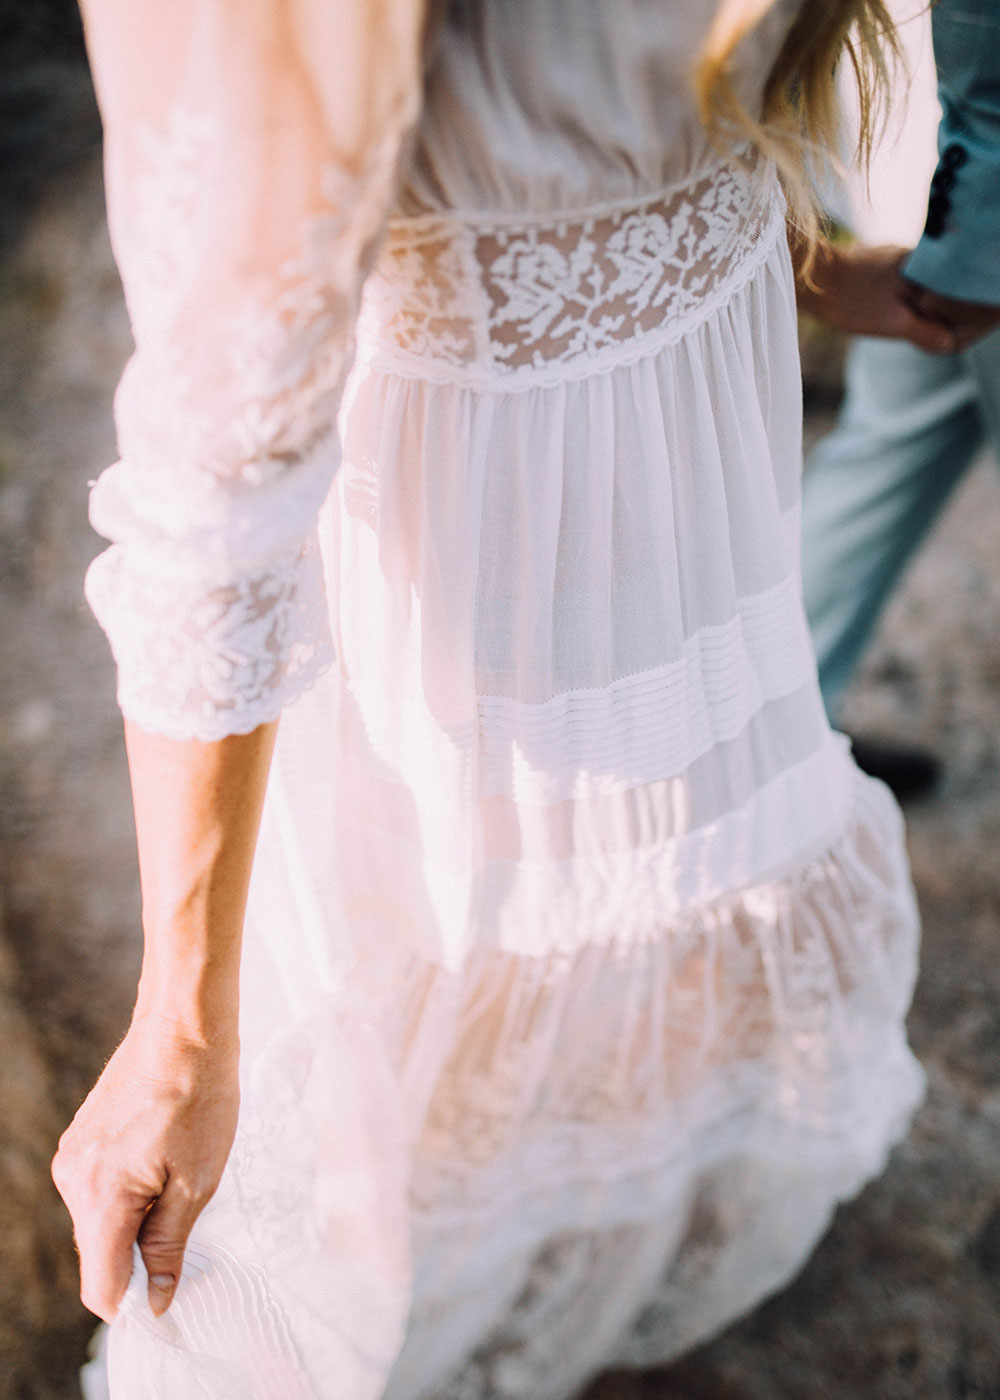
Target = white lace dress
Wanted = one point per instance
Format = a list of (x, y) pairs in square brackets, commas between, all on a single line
[(578, 950)]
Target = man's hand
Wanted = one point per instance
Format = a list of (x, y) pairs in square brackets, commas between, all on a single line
[(862, 291), (968, 321)]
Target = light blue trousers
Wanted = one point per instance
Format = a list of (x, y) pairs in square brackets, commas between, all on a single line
[(909, 428)]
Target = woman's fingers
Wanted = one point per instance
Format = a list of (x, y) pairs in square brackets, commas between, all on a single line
[(106, 1262), (143, 1157), (109, 1219), (106, 1219), (163, 1237)]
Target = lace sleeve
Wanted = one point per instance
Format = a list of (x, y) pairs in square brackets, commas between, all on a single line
[(251, 153)]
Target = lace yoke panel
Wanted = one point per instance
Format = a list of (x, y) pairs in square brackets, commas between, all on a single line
[(503, 302)]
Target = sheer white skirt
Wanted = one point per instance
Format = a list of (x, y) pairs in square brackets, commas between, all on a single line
[(578, 951)]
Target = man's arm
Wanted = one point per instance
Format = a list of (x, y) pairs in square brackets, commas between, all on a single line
[(958, 256), (946, 294)]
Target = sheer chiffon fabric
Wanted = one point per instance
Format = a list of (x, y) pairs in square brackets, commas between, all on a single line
[(578, 951)]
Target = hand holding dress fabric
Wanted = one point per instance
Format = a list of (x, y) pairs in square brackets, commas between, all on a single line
[(251, 155), (146, 1150), (143, 1156)]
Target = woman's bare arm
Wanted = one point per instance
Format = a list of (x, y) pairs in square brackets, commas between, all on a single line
[(197, 809), (251, 154), (861, 291), (146, 1150)]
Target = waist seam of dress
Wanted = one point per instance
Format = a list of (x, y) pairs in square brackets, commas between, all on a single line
[(580, 213), (374, 353)]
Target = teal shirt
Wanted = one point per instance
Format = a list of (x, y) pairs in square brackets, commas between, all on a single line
[(959, 252)]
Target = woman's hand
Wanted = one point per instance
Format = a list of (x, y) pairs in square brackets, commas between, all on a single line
[(862, 291), (144, 1155), (146, 1151)]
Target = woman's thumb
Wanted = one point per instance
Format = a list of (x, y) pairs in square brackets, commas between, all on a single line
[(162, 1239)]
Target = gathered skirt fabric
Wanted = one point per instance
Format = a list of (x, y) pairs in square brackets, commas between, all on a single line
[(578, 950)]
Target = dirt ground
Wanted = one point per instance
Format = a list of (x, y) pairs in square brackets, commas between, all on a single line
[(902, 1298)]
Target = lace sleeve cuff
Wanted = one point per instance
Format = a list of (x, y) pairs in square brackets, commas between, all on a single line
[(202, 662)]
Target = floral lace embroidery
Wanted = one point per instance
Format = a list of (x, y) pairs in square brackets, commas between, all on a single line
[(503, 303), (226, 417), (767, 999), (166, 194), (197, 662), (262, 389)]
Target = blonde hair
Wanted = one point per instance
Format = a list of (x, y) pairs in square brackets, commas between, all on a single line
[(800, 112)]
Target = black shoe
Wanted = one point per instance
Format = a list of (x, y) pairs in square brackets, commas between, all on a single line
[(909, 772)]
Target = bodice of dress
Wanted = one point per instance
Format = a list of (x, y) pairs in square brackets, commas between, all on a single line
[(534, 108), (564, 210), (560, 207), (507, 302)]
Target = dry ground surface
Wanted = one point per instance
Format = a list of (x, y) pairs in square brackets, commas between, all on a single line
[(902, 1298)]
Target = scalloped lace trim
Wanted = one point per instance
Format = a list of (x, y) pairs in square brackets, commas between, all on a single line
[(493, 303), (202, 663)]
